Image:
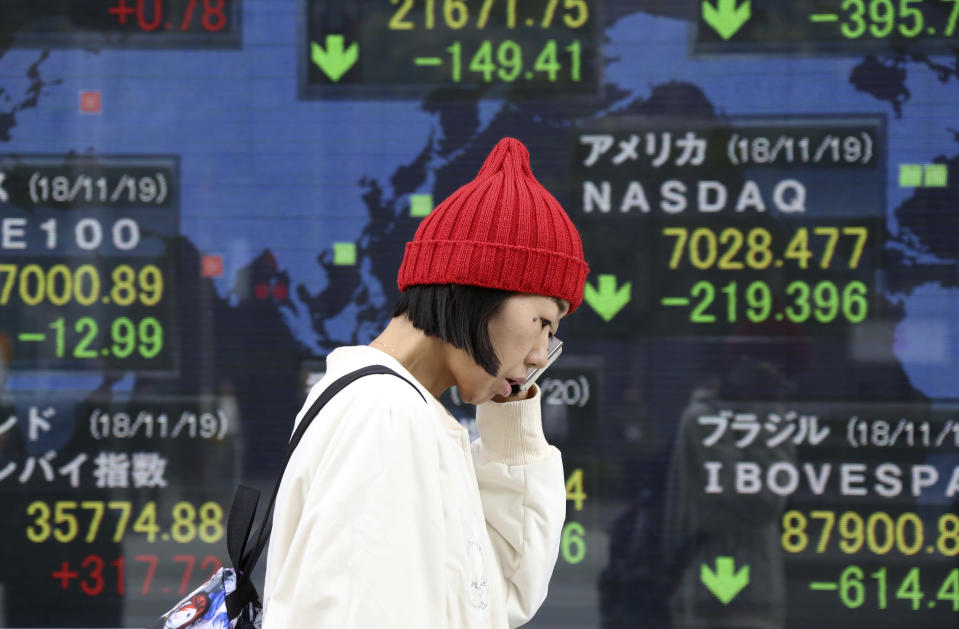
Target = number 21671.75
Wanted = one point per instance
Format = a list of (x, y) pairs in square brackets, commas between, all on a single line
[(458, 14)]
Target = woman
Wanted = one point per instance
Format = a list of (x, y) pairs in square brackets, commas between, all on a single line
[(387, 516)]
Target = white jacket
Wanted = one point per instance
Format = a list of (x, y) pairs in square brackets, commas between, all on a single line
[(388, 517)]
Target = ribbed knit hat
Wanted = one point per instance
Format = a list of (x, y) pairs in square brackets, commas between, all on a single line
[(502, 230)]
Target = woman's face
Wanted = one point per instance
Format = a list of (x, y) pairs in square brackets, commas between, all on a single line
[(519, 332)]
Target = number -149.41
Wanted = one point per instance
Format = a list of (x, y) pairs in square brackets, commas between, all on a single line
[(508, 62)]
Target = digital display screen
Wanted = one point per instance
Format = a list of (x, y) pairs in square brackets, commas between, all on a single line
[(111, 517), (746, 222), (89, 261), (827, 26), (400, 48), (757, 402)]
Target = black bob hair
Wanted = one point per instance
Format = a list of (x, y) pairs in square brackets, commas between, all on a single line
[(457, 314)]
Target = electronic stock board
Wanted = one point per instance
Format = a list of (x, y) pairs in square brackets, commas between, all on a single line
[(758, 402)]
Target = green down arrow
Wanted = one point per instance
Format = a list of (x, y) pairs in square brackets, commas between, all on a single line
[(725, 583), (335, 61), (726, 18), (607, 300)]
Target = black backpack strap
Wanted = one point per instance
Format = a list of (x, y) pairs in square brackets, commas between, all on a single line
[(238, 527), (240, 523)]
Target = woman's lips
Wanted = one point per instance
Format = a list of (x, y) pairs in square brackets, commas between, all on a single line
[(507, 388), (514, 387)]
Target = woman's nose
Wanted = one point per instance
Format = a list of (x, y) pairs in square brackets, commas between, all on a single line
[(537, 357)]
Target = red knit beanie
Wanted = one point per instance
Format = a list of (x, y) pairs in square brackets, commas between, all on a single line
[(502, 230)]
